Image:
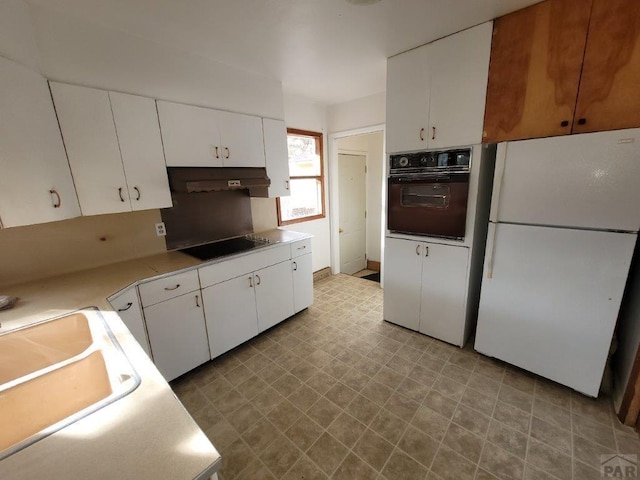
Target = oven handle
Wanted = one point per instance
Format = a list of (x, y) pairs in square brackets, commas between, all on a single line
[(452, 178)]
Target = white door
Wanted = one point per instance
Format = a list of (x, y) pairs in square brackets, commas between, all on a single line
[(230, 311), (444, 292), (402, 280), (190, 135), (552, 301), (276, 156), (352, 203), (408, 79), (589, 180), (274, 294), (177, 334), (136, 120), (302, 282), (459, 66), (90, 137), (241, 139), (127, 305), (35, 180)]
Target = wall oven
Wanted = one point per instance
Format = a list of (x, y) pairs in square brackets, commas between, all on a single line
[(428, 193)]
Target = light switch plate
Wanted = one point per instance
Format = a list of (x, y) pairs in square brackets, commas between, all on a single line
[(161, 231)]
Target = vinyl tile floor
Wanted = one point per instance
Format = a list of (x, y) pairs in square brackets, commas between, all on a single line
[(336, 392)]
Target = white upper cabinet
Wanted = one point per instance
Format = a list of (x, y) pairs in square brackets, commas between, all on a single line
[(114, 148), (408, 80), (436, 93), (459, 75), (35, 181), (90, 136), (277, 156), (136, 121), (190, 135), (241, 139), (203, 137)]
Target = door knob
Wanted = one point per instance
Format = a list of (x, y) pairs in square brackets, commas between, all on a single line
[(340, 230)]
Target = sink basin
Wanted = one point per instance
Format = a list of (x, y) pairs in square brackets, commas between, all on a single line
[(34, 348), (56, 372)]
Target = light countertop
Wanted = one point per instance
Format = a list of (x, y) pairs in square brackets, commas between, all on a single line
[(148, 433)]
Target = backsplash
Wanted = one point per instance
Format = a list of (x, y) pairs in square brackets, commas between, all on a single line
[(49, 249)]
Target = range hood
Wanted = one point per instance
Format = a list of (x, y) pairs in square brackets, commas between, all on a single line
[(212, 179)]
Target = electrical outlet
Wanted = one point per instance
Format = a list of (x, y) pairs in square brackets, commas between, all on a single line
[(161, 231)]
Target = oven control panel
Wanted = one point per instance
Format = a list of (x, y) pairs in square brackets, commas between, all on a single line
[(450, 160)]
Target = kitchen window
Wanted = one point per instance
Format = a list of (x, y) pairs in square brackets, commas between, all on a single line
[(306, 199)]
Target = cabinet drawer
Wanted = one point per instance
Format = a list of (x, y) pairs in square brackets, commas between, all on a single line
[(223, 271), (301, 248), (168, 287)]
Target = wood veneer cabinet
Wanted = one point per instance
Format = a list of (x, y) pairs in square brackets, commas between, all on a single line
[(564, 66)]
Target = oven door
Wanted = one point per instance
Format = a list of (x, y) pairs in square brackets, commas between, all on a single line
[(433, 205)]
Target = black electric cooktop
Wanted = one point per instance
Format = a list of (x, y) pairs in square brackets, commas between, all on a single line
[(209, 251)]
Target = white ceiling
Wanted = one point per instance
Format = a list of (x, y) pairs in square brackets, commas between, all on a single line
[(327, 50)]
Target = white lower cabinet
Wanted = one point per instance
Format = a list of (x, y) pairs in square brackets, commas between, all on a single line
[(274, 294), (230, 310), (425, 287), (302, 269), (177, 334), (127, 305)]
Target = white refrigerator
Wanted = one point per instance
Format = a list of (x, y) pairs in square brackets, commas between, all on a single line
[(565, 214)]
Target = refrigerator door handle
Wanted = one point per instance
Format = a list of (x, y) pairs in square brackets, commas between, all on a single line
[(491, 247), (501, 160)]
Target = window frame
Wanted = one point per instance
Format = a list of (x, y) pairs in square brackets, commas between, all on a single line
[(320, 151)]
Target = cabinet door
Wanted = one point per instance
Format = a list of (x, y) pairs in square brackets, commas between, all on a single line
[(230, 310), (459, 66), (241, 139), (274, 294), (444, 292), (127, 305), (608, 97), (35, 180), (190, 135), (536, 58), (408, 79), (302, 282), (136, 120), (90, 136), (276, 156), (177, 335), (402, 273)]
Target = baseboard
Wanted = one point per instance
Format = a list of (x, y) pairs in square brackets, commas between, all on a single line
[(320, 274), (371, 265)]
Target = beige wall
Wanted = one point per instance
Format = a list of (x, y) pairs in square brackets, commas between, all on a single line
[(49, 249), (359, 113)]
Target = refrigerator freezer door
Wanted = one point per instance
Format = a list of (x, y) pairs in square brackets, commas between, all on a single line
[(552, 302), (586, 181)]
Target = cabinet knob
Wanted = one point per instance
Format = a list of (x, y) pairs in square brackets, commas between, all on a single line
[(57, 202), (582, 121), (564, 123)]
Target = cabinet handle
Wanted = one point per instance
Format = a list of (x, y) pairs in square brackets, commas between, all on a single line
[(295, 267), (582, 121), (258, 282), (120, 194), (217, 153), (302, 247), (226, 149), (198, 301), (564, 123), (57, 202), (422, 134), (168, 289), (129, 304), (426, 250), (251, 282), (139, 194), (433, 133), (286, 184), (418, 249)]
